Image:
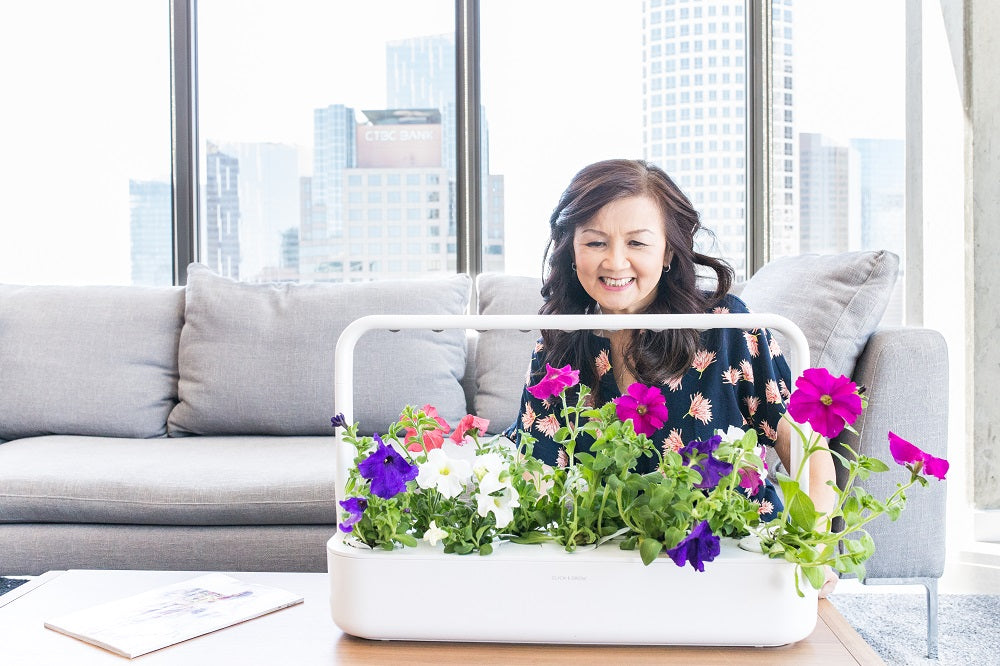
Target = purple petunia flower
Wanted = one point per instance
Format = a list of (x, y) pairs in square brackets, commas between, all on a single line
[(555, 380), (698, 547), (338, 421), (711, 468), (903, 452), (387, 470), (645, 405), (826, 402), (355, 506)]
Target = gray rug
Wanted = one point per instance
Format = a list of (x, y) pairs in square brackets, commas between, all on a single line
[(895, 625)]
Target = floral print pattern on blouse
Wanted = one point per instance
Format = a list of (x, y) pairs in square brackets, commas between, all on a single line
[(737, 378)]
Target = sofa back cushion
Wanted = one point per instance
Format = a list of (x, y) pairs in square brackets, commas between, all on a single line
[(88, 360), (503, 357), (258, 359), (837, 300)]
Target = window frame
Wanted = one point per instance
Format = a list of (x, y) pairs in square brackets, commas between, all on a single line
[(185, 147)]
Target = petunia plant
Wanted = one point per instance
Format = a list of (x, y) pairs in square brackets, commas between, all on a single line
[(418, 482)]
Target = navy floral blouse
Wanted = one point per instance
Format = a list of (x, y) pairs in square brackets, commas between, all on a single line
[(737, 378)]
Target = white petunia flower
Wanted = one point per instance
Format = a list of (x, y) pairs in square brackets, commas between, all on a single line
[(501, 506), (731, 434), (491, 473), (447, 475), (434, 533)]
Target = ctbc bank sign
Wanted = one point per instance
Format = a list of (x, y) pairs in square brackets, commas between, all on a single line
[(398, 146)]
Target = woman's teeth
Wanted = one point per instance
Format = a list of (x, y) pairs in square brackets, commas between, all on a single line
[(616, 282)]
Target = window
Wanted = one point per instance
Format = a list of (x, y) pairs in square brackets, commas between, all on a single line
[(266, 103), (844, 190), (85, 136)]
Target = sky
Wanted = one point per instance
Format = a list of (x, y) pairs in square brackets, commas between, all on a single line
[(91, 110)]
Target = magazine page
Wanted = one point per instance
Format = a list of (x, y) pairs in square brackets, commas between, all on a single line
[(170, 614)]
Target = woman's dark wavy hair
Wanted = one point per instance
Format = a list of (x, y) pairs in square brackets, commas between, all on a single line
[(653, 357)]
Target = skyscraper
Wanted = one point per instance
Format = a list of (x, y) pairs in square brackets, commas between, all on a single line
[(829, 220), (694, 115), (222, 212), (151, 232)]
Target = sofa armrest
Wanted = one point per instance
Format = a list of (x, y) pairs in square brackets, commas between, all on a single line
[(905, 372)]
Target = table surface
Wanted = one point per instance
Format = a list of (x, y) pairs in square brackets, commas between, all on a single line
[(304, 634)]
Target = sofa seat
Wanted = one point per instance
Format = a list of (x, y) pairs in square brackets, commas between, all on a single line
[(243, 480)]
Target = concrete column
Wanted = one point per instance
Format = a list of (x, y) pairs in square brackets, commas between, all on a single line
[(982, 278)]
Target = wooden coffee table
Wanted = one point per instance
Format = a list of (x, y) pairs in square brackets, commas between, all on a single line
[(305, 634)]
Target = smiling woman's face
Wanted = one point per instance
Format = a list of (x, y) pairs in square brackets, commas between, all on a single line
[(620, 254)]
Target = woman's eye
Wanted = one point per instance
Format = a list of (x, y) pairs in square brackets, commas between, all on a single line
[(636, 243), (595, 244)]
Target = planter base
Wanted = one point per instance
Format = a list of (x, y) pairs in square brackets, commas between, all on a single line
[(542, 594)]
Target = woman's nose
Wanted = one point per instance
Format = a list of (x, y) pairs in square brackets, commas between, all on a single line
[(617, 256)]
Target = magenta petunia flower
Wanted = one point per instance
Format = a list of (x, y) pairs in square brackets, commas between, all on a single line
[(387, 470), (355, 507), (903, 453), (645, 405), (698, 547), (826, 402), (555, 380)]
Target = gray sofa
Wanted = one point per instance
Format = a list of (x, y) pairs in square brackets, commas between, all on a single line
[(188, 428)]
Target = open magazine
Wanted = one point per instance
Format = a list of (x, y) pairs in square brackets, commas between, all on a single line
[(170, 614)]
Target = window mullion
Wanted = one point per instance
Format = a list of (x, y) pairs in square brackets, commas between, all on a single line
[(759, 128), (184, 133), (469, 132)]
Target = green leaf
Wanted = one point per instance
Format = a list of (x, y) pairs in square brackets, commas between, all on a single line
[(485, 549), (407, 540), (802, 510), (815, 576), (649, 549)]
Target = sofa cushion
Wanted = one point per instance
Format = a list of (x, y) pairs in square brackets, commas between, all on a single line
[(168, 481), (259, 358), (503, 357), (837, 300), (88, 360)]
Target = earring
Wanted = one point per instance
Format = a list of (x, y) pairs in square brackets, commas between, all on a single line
[(666, 269), (573, 266)]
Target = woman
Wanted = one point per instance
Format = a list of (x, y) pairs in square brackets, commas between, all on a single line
[(622, 241)]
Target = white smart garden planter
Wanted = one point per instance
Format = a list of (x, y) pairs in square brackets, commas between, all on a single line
[(541, 593)]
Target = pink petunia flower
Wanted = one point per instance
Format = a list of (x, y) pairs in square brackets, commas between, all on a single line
[(826, 402), (904, 452), (555, 381), (645, 405), (432, 439), (747, 370), (467, 423), (701, 408)]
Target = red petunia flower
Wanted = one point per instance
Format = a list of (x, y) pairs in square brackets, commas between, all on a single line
[(826, 402), (645, 405), (467, 423)]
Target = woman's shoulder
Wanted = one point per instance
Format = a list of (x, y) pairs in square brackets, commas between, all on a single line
[(730, 304)]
